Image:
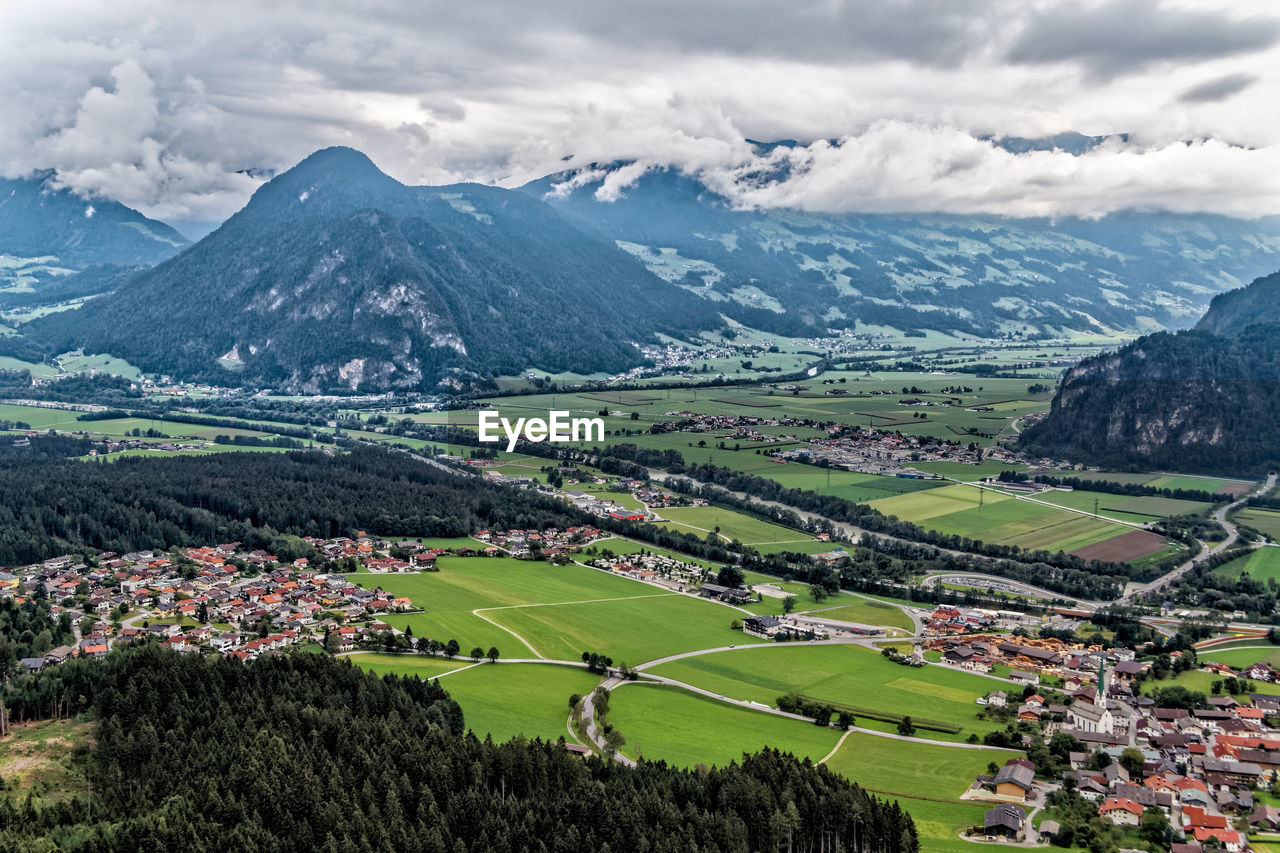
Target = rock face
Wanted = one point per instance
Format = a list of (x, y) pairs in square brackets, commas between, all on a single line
[(337, 277), (1187, 401)]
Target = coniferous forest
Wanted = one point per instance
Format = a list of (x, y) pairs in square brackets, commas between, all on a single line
[(309, 753)]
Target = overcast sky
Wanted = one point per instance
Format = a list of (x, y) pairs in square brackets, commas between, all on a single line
[(167, 106)]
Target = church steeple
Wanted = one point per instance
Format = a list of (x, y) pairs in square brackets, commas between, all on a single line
[(1102, 678)]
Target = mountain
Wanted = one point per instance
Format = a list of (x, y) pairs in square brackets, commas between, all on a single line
[(794, 272), (337, 277), (1195, 401), (38, 220), (56, 245), (1232, 312)]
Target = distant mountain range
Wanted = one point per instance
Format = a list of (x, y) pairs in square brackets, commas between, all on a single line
[(1203, 400), (977, 275), (337, 277)]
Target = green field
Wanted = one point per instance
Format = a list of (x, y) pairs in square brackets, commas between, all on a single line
[(682, 728), (634, 630), (1157, 507), (419, 665), (464, 584), (729, 523), (999, 519), (1262, 564), (864, 611), (517, 699), (1203, 682), (502, 700), (912, 769), (1204, 484), (1265, 521), (848, 675), (1242, 657)]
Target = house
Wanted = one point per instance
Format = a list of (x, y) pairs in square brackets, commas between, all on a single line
[(764, 626), (1015, 781), (1004, 821), (1121, 811), (1229, 838)]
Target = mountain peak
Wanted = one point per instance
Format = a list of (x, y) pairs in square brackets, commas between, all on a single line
[(331, 180)]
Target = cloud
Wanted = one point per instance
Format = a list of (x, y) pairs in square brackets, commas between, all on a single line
[(1126, 35), (899, 168), (174, 109), (1217, 89)]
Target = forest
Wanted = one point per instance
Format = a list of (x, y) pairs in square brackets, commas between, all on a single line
[(308, 753), (58, 506), (1191, 401)]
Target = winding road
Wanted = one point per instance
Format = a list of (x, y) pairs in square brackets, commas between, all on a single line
[(1233, 534)]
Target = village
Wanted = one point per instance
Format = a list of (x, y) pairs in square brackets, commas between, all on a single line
[(231, 600), (1199, 772)]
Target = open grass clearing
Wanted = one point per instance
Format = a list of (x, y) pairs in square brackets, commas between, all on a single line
[(1262, 564), (669, 724), (849, 675), (1265, 521), (913, 769), (729, 523), (465, 584), (1243, 657), (632, 630), (518, 699)]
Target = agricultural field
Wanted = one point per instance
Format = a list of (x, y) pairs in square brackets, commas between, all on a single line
[(38, 371), (1002, 519), (1262, 564), (909, 771), (1243, 656), (864, 611), (1265, 521), (700, 520), (466, 584), (632, 630), (517, 699), (663, 723), (1136, 510), (1203, 683), (106, 364), (1206, 484), (419, 665), (869, 685), (502, 700)]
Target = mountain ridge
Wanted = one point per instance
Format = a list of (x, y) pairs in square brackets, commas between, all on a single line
[(337, 277)]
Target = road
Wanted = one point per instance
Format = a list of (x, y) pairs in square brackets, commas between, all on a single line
[(1233, 535)]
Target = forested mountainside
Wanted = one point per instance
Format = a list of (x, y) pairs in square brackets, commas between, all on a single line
[(48, 236), (793, 270), (38, 220), (308, 753), (337, 277), (1232, 312), (1189, 401)]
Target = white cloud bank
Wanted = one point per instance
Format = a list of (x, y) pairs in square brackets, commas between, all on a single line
[(168, 107)]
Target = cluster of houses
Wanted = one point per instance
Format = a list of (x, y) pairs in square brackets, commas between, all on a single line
[(1201, 768), (652, 568), (881, 452), (239, 601)]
